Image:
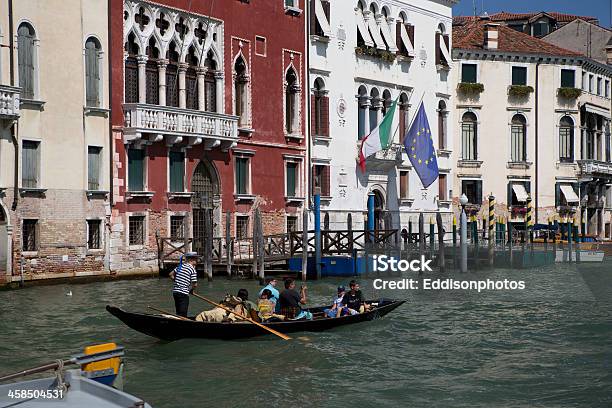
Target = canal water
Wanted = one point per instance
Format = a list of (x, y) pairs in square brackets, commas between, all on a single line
[(549, 345)]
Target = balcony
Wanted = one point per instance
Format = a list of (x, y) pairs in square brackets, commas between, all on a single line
[(9, 102), (595, 168), (152, 123), (385, 159)]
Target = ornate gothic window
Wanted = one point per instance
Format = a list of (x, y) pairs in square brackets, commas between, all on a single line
[(241, 86), (131, 70), (210, 90), (320, 103), (291, 102), (172, 81), (191, 79), (152, 73)]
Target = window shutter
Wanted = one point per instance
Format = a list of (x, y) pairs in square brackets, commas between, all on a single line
[(313, 18), (25, 60), (29, 167), (210, 93), (402, 123), (410, 29), (135, 170), (152, 83), (93, 165), (92, 74), (441, 130), (177, 171), (131, 80), (398, 38), (442, 187), (528, 187), (557, 194), (172, 89), (326, 9), (438, 51), (325, 191), (313, 117), (325, 116), (291, 176), (479, 192)]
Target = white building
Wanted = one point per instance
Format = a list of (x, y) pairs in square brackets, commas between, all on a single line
[(531, 119), (363, 55)]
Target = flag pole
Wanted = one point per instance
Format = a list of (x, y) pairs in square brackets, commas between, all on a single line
[(414, 116)]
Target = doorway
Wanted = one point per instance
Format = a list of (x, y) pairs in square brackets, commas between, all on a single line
[(205, 189)]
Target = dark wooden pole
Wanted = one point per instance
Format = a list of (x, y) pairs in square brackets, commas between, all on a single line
[(441, 247)]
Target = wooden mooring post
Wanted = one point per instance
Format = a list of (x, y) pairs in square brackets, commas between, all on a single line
[(441, 247), (260, 249), (454, 242), (491, 230), (421, 236), (305, 244), (208, 251), (228, 243), (254, 251)]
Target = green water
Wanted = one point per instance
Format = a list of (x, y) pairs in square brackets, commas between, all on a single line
[(547, 346)]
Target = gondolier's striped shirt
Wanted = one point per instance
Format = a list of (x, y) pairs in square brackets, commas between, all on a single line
[(185, 275)]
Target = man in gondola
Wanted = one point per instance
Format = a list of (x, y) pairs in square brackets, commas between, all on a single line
[(185, 280), (354, 299)]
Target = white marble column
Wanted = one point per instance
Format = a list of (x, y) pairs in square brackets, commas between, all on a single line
[(201, 73), (161, 66), (365, 104), (182, 87), (142, 78), (219, 83)]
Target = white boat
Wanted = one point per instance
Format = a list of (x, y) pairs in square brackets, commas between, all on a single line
[(95, 384)]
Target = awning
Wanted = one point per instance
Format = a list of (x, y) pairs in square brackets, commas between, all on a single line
[(386, 32), (376, 33), (521, 193), (598, 110), (322, 18), (363, 29), (569, 193), (406, 39)]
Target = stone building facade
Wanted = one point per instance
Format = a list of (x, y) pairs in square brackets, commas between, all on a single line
[(363, 56), (532, 120), (54, 142), (208, 117)]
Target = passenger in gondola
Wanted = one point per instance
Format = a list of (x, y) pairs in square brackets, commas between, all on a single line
[(291, 302), (354, 300), (266, 306), (185, 280), (271, 286), (338, 309), (246, 307), (239, 304)]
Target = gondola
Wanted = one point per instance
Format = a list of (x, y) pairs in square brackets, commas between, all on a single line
[(169, 328)]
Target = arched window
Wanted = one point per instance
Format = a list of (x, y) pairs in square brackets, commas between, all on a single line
[(131, 70), (360, 40), (566, 139), (93, 77), (191, 79), (172, 81), (403, 115), (386, 101), (241, 83), (320, 103), (363, 104), (442, 114), (374, 108), (518, 142), (26, 60), (469, 136), (152, 73), (210, 90), (291, 102)]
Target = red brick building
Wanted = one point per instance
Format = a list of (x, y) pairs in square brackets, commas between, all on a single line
[(208, 116)]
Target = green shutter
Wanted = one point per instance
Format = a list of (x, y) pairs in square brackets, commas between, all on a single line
[(177, 171), (468, 73), (519, 76), (29, 165), (92, 73), (135, 170), (291, 179), (93, 167), (241, 175), (25, 61), (568, 78)]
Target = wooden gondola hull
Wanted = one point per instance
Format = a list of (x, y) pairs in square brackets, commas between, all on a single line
[(167, 328)]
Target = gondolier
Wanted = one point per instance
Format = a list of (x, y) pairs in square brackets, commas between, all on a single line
[(185, 280)]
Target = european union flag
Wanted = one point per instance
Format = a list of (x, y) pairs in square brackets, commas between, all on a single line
[(420, 148)]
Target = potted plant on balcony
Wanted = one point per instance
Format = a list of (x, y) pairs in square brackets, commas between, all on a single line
[(520, 91), (519, 211), (569, 93), (470, 88)]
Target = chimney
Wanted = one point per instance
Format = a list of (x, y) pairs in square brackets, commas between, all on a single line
[(609, 54), (491, 36)]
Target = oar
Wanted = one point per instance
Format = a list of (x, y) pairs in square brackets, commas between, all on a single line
[(248, 319), (168, 313)]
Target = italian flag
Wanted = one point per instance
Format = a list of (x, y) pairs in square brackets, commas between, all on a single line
[(379, 139)]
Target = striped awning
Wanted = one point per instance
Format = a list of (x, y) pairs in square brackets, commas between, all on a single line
[(521, 192), (569, 193)]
